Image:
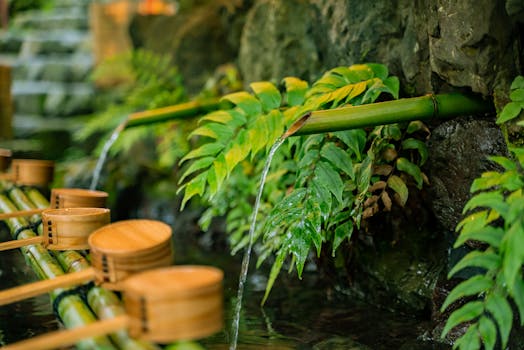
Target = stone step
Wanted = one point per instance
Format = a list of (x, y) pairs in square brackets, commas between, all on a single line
[(70, 68), (61, 19), (56, 42), (27, 125), (52, 98)]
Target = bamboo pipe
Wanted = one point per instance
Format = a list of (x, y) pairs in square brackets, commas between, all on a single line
[(179, 111), (403, 110), (117, 250), (163, 305), (20, 213)]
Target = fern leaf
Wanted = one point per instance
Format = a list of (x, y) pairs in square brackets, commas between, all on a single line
[(500, 309), (488, 332), (467, 312), (472, 286), (487, 260), (513, 254), (246, 102), (488, 234), (268, 95), (469, 340), (295, 90)]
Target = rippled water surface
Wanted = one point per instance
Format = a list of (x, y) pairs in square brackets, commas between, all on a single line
[(298, 315)]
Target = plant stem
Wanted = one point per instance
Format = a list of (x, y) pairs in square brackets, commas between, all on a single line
[(408, 109), (179, 111)]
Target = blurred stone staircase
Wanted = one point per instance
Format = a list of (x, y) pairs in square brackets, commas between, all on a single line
[(49, 52)]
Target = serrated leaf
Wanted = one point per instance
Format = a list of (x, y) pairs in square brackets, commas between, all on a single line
[(486, 260), (295, 90), (518, 83), (409, 168), (466, 313), (299, 247), (338, 158), (245, 101), (329, 178), (517, 95), (472, 286), (208, 149), (418, 145), (488, 332), (354, 139), (488, 234), (199, 164), (275, 270), (500, 309), (342, 232), (397, 185), (239, 150), (493, 200), (194, 187), (364, 175), (509, 112), (268, 95)]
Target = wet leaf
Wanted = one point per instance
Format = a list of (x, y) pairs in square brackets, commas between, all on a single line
[(329, 178), (342, 232), (397, 185), (466, 313), (406, 166), (199, 164), (364, 175), (275, 270), (354, 139), (472, 286), (295, 90), (268, 95), (338, 158)]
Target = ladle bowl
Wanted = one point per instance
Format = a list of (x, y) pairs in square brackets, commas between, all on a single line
[(32, 172), (77, 197), (65, 229), (162, 306), (118, 250)]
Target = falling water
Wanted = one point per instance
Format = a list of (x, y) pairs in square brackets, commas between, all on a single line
[(105, 151), (247, 253)]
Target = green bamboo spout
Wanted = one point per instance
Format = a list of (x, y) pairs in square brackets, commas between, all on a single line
[(408, 109), (179, 111)]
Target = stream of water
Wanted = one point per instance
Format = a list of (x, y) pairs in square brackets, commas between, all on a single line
[(247, 253), (105, 150)]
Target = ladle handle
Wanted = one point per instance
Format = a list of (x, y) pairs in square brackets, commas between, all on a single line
[(19, 213), (17, 243), (69, 337), (33, 289), (6, 176)]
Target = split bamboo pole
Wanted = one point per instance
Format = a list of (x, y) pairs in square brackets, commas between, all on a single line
[(69, 306), (104, 303)]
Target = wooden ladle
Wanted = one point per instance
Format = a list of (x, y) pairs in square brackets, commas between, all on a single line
[(162, 306), (118, 250), (31, 172), (65, 229), (66, 198)]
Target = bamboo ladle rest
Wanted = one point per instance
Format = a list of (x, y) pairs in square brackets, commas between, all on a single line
[(162, 306), (65, 229), (118, 251), (65, 198), (31, 172)]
